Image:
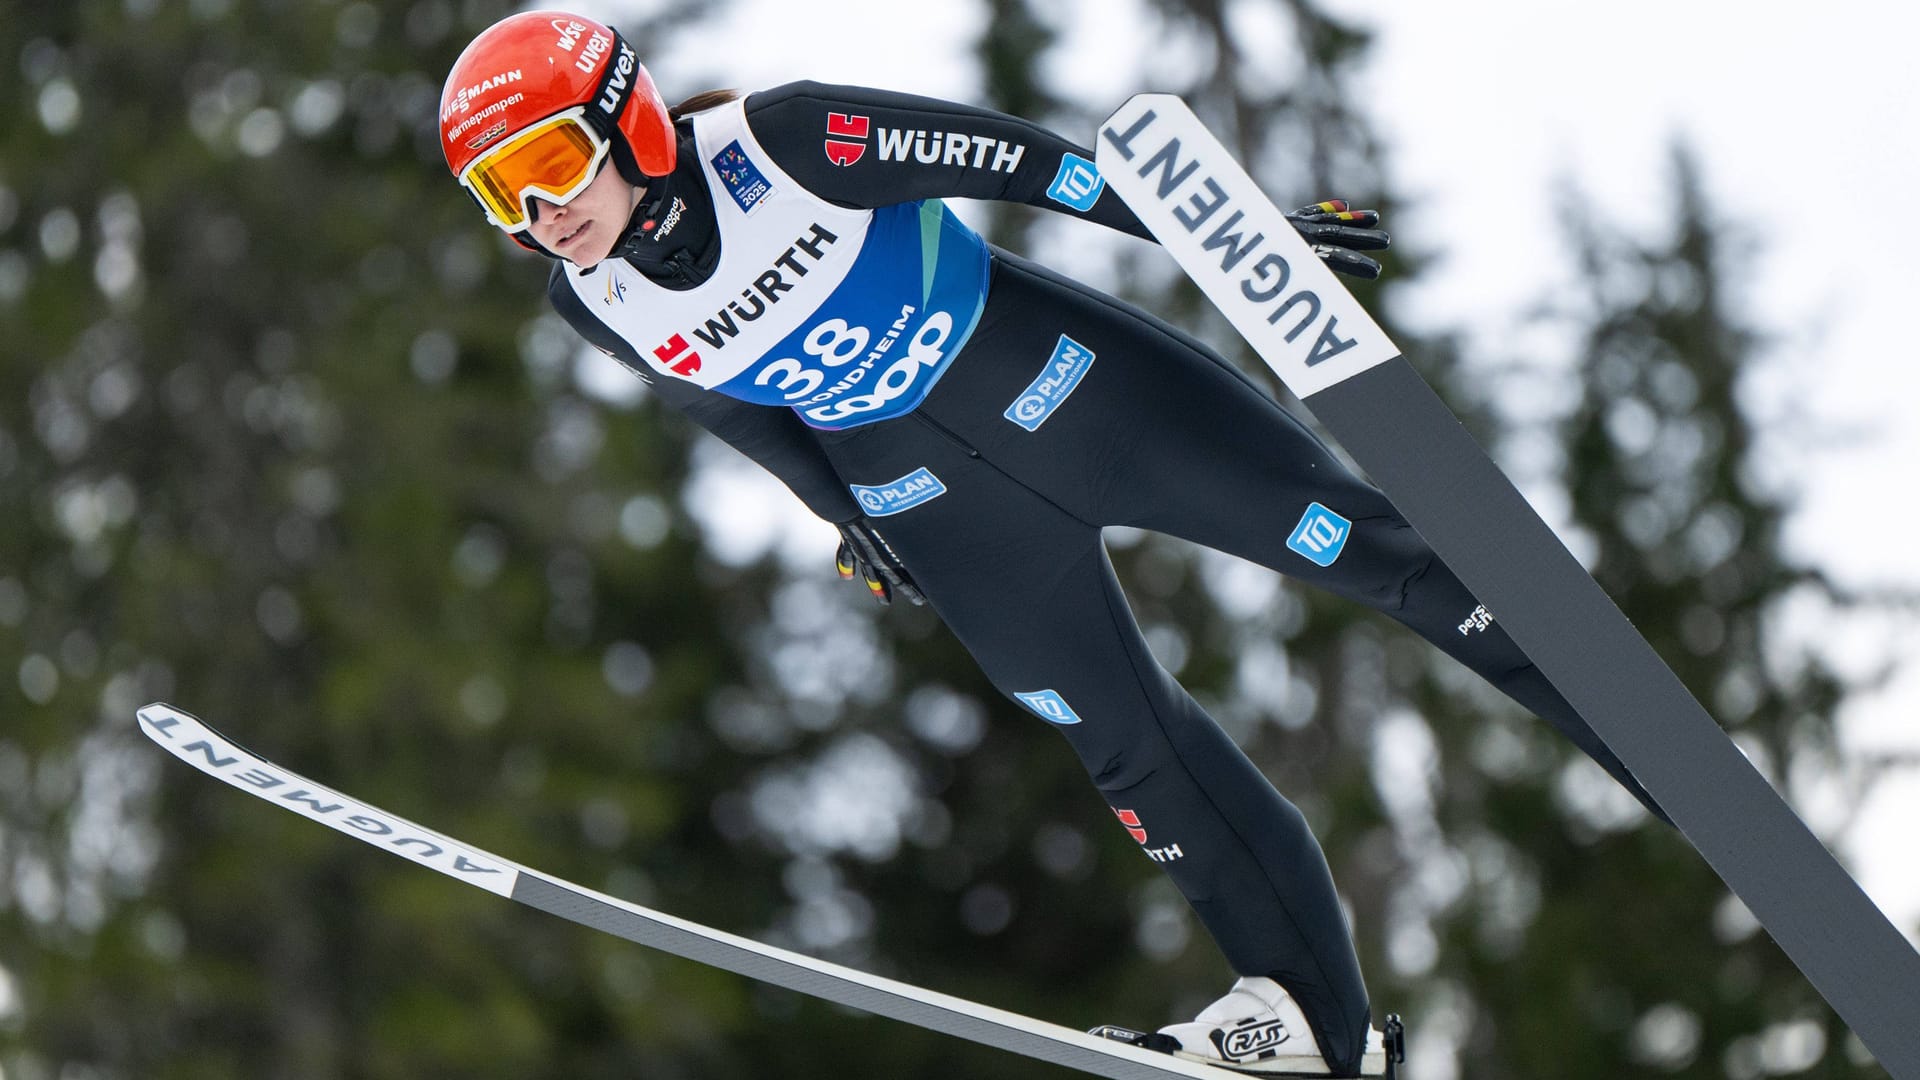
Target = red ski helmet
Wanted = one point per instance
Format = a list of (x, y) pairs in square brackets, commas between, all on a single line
[(523, 73)]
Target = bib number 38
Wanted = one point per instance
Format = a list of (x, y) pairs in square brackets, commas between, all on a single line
[(833, 345)]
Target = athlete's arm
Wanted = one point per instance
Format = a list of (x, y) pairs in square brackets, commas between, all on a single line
[(867, 148), (773, 436)]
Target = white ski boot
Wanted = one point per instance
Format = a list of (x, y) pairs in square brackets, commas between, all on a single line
[(1257, 1029)]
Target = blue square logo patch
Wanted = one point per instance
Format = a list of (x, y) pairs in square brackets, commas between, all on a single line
[(1077, 184), (741, 176), (1048, 706), (1320, 535)]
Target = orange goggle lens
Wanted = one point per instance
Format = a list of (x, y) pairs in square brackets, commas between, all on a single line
[(555, 159)]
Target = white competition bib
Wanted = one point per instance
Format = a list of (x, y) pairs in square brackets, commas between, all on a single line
[(847, 316)]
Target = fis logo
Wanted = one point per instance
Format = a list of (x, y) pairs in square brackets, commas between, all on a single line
[(1250, 1041), (909, 491), (1077, 184), (1048, 706), (616, 291), (842, 131), (1063, 372), (1320, 535), (741, 176), (1477, 620)]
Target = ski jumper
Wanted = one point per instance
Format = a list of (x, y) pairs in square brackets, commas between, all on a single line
[(799, 290)]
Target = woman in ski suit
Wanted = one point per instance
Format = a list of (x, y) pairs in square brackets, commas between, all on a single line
[(779, 268)]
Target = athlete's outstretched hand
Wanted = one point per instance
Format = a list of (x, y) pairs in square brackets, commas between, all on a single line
[(1339, 234), (864, 550)]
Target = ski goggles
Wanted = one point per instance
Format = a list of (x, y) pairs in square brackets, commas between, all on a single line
[(554, 159)]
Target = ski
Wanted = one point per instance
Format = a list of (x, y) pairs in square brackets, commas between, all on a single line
[(198, 744), (1239, 249)]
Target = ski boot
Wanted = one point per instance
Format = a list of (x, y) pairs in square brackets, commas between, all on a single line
[(1258, 1030)]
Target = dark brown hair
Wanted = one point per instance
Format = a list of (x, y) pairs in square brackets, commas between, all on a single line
[(701, 102)]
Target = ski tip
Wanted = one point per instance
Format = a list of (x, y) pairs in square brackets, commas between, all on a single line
[(168, 724), (1145, 102), (162, 714), (156, 710)]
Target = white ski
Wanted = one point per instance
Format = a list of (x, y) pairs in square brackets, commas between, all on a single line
[(1238, 248), (199, 745)]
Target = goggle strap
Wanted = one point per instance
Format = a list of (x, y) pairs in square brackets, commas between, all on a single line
[(605, 121)]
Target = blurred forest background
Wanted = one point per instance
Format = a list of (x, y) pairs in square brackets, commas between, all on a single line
[(287, 437)]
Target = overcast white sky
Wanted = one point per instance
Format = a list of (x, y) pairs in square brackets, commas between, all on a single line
[(1803, 120)]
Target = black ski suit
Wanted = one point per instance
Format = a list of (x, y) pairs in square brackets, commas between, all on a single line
[(1125, 421)]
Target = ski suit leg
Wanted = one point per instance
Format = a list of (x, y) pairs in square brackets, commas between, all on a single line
[(1028, 589), (1193, 449)]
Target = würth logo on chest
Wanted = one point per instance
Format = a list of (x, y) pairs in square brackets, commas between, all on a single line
[(677, 356), (766, 290)]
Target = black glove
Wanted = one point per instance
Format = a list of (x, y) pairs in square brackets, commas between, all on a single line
[(865, 550), (1336, 233)]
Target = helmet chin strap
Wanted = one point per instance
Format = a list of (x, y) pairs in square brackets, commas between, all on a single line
[(654, 200)]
